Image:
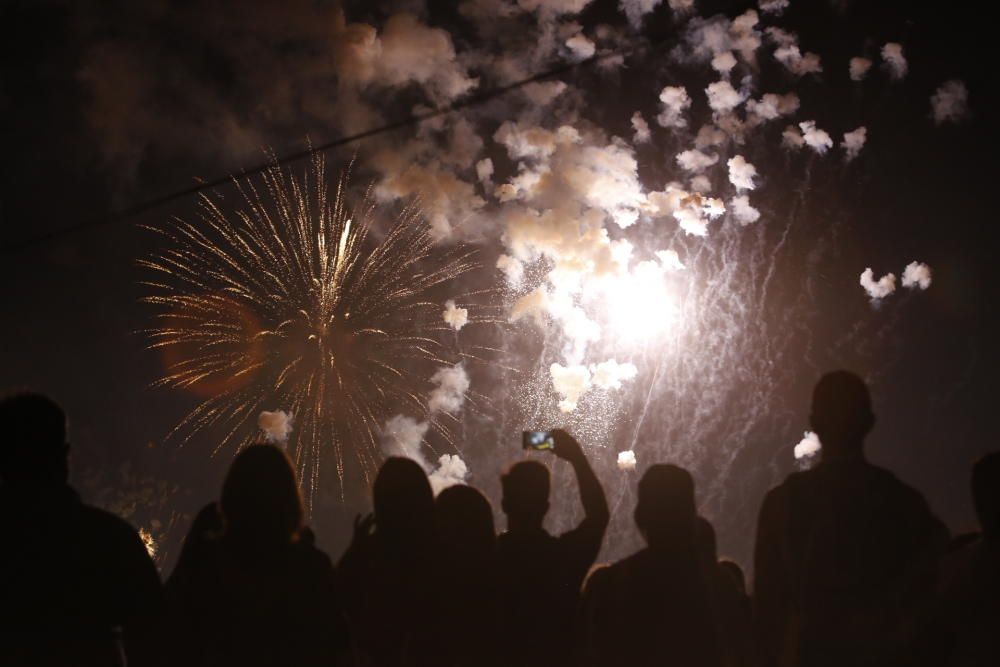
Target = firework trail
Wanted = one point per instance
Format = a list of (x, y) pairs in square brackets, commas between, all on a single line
[(290, 303)]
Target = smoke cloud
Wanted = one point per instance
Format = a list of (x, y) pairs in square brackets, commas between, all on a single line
[(879, 289), (949, 102), (808, 446), (894, 61), (858, 68), (917, 274), (674, 101), (741, 173), (454, 316), (451, 470), (449, 394), (626, 460), (744, 213), (815, 138), (853, 142), (641, 127), (276, 426)]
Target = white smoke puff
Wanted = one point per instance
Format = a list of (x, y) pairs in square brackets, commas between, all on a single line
[(745, 36), (724, 62), (451, 470), (771, 106), (581, 47), (670, 260), (858, 67), (675, 101), (553, 7), (808, 446), (449, 394), (894, 61), (949, 101), (880, 289), (525, 141), (853, 142), (796, 62), (701, 184), (695, 161), (455, 317), (533, 304), (741, 173), (917, 274), (691, 210), (781, 37), (792, 138), (722, 97), (505, 192), (610, 374), (512, 268), (709, 135), (277, 425), (626, 460), (402, 435), (744, 213), (570, 382), (541, 93), (814, 137), (484, 171), (775, 7), (641, 127)]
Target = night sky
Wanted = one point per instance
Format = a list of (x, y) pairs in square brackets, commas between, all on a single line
[(110, 105)]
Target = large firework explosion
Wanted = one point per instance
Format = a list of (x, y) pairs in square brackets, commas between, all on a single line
[(294, 304)]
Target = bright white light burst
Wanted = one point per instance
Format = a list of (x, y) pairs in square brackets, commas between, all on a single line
[(640, 305)]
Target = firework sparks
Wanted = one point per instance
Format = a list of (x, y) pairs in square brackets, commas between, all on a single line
[(290, 303)]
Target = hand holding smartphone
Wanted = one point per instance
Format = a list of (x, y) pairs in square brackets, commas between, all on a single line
[(541, 441)]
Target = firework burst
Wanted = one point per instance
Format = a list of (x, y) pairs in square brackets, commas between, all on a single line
[(291, 303)]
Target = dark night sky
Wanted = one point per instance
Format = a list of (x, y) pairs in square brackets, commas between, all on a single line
[(70, 302)]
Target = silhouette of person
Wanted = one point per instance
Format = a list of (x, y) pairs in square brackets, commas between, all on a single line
[(541, 574), (255, 593), (469, 591), (654, 607), (971, 577), (729, 601), (76, 583), (390, 572), (845, 552)]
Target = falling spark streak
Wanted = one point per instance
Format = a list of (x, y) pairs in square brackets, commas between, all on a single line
[(290, 303)]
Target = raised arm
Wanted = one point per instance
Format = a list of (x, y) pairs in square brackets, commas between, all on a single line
[(595, 505)]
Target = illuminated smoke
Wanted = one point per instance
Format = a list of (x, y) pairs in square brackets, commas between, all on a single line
[(722, 97), (512, 269), (792, 138), (741, 209), (695, 161), (880, 289), (641, 127), (484, 172), (674, 101), (853, 143), (449, 394), (724, 62), (917, 274), (796, 62), (581, 47), (771, 106), (670, 260), (701, 184), (741, 173), (571, 383), (815, 138), (402, 435), (610, 374), (808, 446), (636, 10), (859, 67), (276, 426), (626, 460), (455, 317), (775, 7), (691, 210), (894, 61), (949, 102), (451, 470)]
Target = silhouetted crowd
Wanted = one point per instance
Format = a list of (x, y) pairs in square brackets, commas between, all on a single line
[(851, 568)]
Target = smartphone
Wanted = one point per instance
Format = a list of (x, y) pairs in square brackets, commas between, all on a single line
[(538, 440)]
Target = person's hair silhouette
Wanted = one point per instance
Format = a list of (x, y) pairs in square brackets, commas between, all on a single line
[(841, 414), (465, 522), (71, 574), (665, 512), (526, 493), (260, 503), (403, 501)]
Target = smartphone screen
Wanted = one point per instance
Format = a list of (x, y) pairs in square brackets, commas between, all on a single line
[(538, 440)]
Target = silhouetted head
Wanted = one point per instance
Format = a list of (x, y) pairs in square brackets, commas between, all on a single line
[(841, 414), (736, 572), (665, 512), (986, 493), (260, 503), (525, 494), (707, 547), (33, 448), (404, 503), (465, 522)]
